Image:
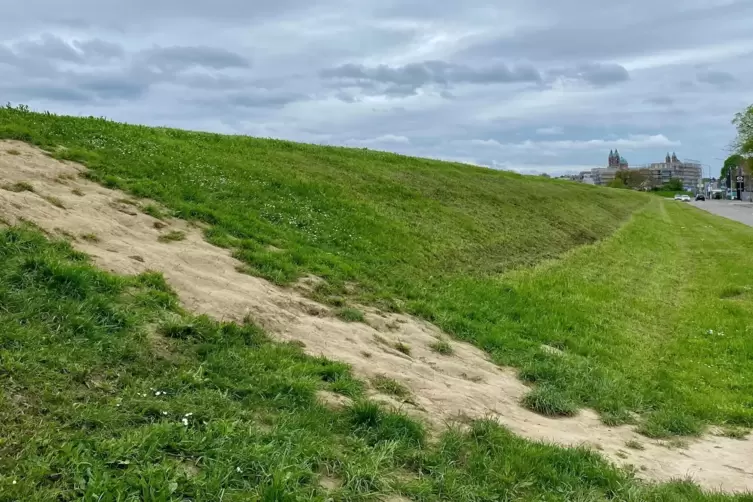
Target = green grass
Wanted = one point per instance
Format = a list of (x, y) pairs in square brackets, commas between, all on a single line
[(493, 258), (90, 237), (390, 386), (172, 236), (153, 211), (403, 347), (54, 201), (549, 401), (108, 391), (635, 445), (350, 314), (442, 347), (735, 432), (21, 186)]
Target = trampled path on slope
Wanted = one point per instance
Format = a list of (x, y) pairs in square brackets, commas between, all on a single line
[(445, 388)]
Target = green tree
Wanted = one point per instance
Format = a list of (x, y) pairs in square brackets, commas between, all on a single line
[(743, 121), (674, 185), (617, 182), (635, 178), (731, 164)]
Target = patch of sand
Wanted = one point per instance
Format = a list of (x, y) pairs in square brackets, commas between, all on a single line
[(444, 388)]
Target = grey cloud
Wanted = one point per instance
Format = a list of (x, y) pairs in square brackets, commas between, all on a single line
[(610, 32), (97, 48), (45, 91), (177, 58), (263, 98), (406, 80), (433, 72), (139, 14), (402, 81), (659, 101), (40, 56), (7, 56), (111, 86), (715, 77), (90, 75), (399, 90), (346, 97), (603, 74), (597, 74), (48, 47)]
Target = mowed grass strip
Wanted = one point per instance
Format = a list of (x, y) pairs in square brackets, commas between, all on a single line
[(644, 322), (490, 257), (108, 391)]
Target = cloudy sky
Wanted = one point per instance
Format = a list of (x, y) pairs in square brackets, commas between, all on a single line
[(530, 85)]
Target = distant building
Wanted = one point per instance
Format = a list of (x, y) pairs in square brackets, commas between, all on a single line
[(656, 174), (586, 177), (603, 175), (616, 161), (690, 173)]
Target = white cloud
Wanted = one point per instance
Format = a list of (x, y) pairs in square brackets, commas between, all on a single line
[(632, 142)]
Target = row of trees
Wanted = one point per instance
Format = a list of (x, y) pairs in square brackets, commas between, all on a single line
[(638, 179)]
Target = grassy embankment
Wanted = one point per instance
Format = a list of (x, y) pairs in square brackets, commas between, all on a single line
[(632, 314), (109, 392)]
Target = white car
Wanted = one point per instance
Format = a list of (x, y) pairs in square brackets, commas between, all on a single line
[(685, 198), (678, 196)]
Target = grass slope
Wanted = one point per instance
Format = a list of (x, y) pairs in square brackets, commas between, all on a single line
[(447, 242), (652, 320), (109, 392)]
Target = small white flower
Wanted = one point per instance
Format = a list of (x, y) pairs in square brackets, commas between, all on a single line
[(14, 481), (185, 421), (164, 413), (238, 469), (157, 393), (711, 332)]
